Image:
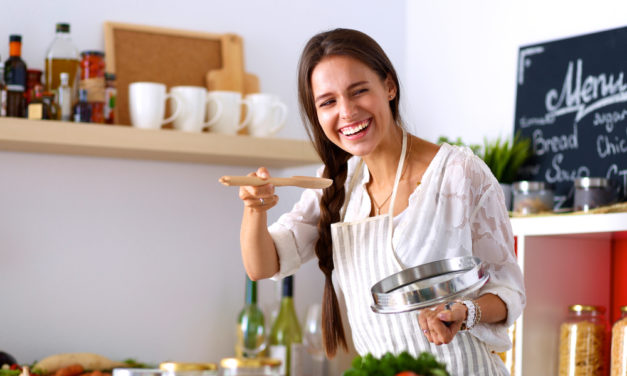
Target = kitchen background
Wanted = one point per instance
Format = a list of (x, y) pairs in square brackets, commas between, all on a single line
[(141, 258)]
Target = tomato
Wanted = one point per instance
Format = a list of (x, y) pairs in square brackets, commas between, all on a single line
[(407, 373)]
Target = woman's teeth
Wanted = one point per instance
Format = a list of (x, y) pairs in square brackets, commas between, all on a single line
[(348, 131)]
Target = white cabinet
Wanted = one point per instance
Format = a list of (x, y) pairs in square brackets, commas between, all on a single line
[(566, 259)]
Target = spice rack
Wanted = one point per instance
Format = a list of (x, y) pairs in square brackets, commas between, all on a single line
[(45, 136), (566, 259)]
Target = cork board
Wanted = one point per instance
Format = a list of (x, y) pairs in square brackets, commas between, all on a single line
[(169, 56)]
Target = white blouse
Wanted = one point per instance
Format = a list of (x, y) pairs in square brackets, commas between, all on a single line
[(457, 210)]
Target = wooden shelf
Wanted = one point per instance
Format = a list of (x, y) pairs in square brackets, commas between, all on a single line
[(566, 259), (45, 136)]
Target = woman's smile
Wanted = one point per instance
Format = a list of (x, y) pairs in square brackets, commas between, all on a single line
[(356, 130)]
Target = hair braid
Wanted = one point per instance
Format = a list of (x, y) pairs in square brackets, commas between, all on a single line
[(330, 206)]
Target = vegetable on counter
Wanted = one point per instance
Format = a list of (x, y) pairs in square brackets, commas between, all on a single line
[(401, 365), (88, 361)]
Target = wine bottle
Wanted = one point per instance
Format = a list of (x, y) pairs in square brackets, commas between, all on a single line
[(286, 338), (251, 339), (15, 78)]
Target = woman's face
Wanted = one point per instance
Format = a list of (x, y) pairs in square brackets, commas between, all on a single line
[(352, 103)]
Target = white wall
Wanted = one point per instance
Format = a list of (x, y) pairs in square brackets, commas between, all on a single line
[(139, 258), (462, 56)]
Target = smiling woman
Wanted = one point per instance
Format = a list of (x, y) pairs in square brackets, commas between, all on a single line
[(395, 201)]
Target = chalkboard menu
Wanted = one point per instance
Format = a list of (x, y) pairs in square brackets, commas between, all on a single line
[(571, 101)]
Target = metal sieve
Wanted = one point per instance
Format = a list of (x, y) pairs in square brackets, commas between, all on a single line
[(429, 284)]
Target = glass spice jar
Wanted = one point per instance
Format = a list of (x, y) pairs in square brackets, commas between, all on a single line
[(531, 197), (619, 345), (582, 342), (591, 193), (188, 369), (93, 80)]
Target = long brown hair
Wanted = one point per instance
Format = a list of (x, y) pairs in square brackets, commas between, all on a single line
[(344, 42)]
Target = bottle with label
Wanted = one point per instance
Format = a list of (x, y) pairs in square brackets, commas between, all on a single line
[(3, 91), (61, 56), (286, 338), (64, 98), (93, 80), (111, 94), (82, 109), (251, 336), (15, 78), (51, 106)]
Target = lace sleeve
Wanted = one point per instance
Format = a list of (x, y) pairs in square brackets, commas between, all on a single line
[(493, 242)]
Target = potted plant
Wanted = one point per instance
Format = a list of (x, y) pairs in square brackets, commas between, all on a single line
[(504, 158)]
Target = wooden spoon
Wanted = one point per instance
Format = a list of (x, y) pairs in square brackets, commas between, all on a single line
[(294, 181)]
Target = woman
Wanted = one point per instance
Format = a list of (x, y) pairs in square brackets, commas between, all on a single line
[(396, 201)]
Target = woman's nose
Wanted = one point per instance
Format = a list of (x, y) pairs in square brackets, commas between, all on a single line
[(347, 109)]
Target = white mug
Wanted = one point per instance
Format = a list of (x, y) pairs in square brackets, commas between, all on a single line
[(147, 105), (194, 110), (269, 114), (229, 121)]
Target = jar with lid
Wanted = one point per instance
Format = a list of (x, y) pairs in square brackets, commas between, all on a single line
[(93, 80), (591, 193), (582, 346), (619, 345), (188, 369), (532, 197), (250, 367)]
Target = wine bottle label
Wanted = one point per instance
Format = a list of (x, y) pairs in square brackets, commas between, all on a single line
[(3, 103), (297, 359), (14, 87), (279, 352)]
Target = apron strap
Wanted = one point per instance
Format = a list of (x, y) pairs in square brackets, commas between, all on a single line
[(399, 172), (351, 187)]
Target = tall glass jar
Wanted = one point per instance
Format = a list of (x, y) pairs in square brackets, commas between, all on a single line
[(250, 367), (619, 345), (93, 80), (583, 342), (531, 197)]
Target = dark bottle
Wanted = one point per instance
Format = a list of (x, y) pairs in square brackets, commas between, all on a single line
[(3, 91), (15, 78), (82, 109)]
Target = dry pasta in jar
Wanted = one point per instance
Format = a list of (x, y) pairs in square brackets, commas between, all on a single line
[(619, 345), (583, 342)]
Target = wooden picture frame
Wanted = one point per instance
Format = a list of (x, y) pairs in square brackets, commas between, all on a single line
[(173, 57)]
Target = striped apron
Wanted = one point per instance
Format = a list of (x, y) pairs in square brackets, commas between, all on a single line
[(363, 254)]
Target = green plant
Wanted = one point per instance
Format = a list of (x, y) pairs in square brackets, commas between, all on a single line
[(475, 148), (393, 365), (504, 158)]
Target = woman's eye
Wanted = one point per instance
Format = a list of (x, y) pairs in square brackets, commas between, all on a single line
[(359, 91), (326, 103)]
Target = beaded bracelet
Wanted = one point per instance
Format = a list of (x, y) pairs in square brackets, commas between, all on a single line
[(471, 317)]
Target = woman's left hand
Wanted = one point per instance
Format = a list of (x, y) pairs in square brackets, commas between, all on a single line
[(439, 324)]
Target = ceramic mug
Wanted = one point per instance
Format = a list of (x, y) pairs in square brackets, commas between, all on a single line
[(231, 103), (194, 108), (147, 104), (269, 114)]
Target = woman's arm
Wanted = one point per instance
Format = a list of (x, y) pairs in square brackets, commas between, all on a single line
[(259, 253), (432, 320)]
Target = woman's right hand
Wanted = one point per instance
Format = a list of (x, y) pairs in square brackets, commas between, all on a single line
[(259, 198)]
